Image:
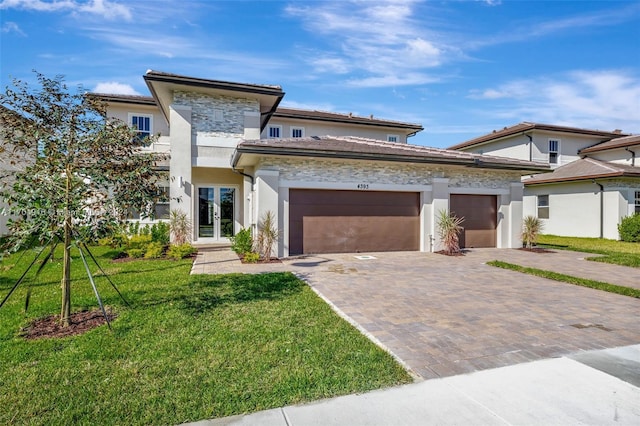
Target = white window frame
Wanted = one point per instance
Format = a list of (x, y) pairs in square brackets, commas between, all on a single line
[(273, 127), (636, 206), (396, 137), (556, 151), (149, 116), (542, 206), (293, 129), (165, 189)]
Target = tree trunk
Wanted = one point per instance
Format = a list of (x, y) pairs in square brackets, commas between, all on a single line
[(65, 313)]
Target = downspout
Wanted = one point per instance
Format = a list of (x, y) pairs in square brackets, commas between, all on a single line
[(530, 146), (601, 208), (252, 193), (633, 155)]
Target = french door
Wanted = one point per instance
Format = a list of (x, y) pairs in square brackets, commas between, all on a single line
[(216, 217)]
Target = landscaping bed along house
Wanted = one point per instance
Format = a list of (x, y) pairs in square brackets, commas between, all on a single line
[(180, 348)]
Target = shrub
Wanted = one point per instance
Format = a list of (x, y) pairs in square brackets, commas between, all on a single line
[(629, 228), (531, 228), (449, 231), (135, 253), (160, 233), (153, 250), (114, 241), (180, 227), (251, 257), (180, 251), (138, 241), (242, 242)]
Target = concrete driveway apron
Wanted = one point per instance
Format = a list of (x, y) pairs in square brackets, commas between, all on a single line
[(443, 316)]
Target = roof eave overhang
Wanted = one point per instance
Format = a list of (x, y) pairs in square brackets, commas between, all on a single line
[(161, 86), (473, 163), (415, 128), (583, 178)]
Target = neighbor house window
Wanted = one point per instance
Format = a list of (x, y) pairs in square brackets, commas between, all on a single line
[(553, 151), (217, 115), (393, 138), (297, 132), (161, 208), (143, 124), (543, 206), (637, 201), (275, 131)]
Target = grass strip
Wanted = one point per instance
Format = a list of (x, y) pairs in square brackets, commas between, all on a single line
[(599, 285), (612, 251)]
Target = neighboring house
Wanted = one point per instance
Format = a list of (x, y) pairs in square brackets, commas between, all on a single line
[(10, 162), (235, 155), (594, 184)]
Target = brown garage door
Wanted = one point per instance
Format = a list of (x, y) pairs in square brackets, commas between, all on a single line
[(480, 219), (322, 221)]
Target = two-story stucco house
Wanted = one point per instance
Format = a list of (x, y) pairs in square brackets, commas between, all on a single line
[(595, 180), (334, 182)]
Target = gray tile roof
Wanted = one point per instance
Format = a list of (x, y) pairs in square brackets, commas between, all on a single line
[(342, 118), (527, 126), (613, 144), (585, 169), (370, 149)]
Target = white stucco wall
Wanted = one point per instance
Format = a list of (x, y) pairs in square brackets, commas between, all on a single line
[(159, 126), (320, 128), (618, 156), (574, 208)]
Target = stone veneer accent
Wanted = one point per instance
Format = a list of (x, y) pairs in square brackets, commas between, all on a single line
[(385, 173), (202, 113)]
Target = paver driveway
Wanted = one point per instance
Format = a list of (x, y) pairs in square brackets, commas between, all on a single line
[(450, 315), (444, 316)]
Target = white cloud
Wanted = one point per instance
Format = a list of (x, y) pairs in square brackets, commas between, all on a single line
[(605, 99), (12, 27), (115, 88), (382, 43), (105, 8)]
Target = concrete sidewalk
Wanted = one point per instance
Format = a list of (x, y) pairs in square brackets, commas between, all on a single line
[(560, 391)]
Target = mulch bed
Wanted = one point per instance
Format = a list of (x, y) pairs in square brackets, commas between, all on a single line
[(537, 250), (262, 260), (81, 322), (448, 253)]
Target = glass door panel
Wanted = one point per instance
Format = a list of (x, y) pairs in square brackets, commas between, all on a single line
[(227, 212), (206, 213)]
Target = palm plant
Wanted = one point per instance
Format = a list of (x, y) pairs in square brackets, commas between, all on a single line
[(268, 234), (180, 227), (531, 229), (449, 228)]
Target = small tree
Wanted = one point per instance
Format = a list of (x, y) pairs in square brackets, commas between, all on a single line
[(268, 234), (87, 171), (449, 228), (531, 229)]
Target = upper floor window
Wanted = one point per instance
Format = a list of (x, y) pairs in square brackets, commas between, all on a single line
[(143, 123), (297, 132), (543, 206), (637, 201), (393, 138), (275, 131), (554, 145)]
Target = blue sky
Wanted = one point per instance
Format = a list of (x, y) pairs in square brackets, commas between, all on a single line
[(459, 68)]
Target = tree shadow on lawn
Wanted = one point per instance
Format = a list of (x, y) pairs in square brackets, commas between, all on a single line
[(210, 291)]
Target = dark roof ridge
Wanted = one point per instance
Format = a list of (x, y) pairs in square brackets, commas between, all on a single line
[(206, 81), (346, 117)]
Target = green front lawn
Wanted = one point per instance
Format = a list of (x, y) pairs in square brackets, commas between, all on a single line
[(189, 348), (616, 252)]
